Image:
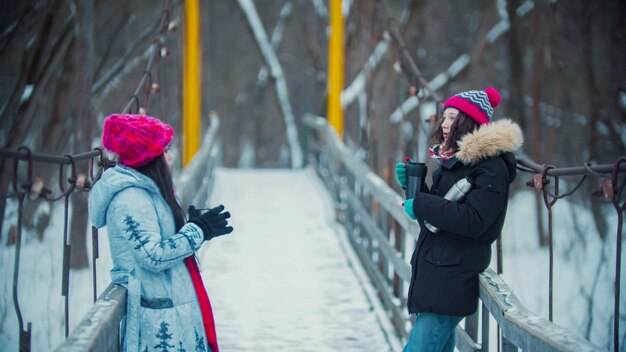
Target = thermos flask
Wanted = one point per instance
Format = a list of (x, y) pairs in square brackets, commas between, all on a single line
[(457, 192), (415, 173)]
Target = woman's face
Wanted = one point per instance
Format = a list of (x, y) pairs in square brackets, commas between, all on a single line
[(449, 116), (169, 156)]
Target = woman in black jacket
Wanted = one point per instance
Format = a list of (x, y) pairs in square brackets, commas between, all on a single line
[(456, 245)]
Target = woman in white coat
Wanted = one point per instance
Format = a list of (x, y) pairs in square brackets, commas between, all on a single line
[(152, 245)]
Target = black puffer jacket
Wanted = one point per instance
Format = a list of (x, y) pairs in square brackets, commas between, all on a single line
[(446, 265)]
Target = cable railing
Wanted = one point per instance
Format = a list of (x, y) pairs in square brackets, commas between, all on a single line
[(26, 187), (383, 238), (611, 189)]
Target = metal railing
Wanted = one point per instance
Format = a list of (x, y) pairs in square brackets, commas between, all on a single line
[(611, 189), (99, 330), (383, 238), (26, 187)]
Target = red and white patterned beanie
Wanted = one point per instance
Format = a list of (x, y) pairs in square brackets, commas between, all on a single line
[(477, 104)]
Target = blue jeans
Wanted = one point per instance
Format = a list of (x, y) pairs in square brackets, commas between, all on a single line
[(433, 333)]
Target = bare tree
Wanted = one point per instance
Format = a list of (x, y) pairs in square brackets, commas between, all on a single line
[(84, 67), (537, 121), (516, 65), (588, 16), (40, 64)]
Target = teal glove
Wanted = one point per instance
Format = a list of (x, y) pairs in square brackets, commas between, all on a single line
[(401, 174), (408, 208)]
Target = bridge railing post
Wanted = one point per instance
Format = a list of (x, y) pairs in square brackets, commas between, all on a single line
[(508, 346)]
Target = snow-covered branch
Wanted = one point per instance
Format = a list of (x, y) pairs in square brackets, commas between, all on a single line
[(349, 94), (277, 37), (119, 66), (247, 6), (320, 8), (462, 62), (117, 75), (346, 6), (436, 83)]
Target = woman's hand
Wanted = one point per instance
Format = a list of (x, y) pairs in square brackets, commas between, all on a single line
[(408, 208), (401, 174), (213, 223)]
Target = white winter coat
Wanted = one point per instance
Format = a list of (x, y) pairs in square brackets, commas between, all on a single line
[(147, 253)]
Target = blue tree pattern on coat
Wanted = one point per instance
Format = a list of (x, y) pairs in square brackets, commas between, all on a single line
[(132, 227), (190, 237), (164, 336), (199, 342), (170, 242)]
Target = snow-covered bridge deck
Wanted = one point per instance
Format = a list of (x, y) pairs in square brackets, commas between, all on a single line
[(285, 279)]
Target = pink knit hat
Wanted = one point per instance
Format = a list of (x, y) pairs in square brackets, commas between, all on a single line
[(136, 139), (477, 104)]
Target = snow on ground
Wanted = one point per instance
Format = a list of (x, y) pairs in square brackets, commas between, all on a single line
[(280, 281)]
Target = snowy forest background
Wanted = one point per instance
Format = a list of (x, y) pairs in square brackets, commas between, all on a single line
[(559, 65)]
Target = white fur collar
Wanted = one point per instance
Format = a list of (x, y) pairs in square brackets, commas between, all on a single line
[(490, 140)]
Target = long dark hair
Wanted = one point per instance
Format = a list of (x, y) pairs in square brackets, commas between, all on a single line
[(159, 172), (462, 125)]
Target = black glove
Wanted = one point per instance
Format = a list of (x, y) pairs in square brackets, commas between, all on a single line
[(213, 222)]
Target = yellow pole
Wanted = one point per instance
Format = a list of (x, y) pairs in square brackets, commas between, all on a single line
[(191, 81), (335, 67)]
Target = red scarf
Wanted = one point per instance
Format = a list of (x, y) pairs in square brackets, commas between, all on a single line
[(205, 304)]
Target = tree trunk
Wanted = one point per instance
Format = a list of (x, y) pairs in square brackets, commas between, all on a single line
[(556, 70), (415, 8), (18, 115), (516, 101), (536, 125), (5, 188), (84, 68), (617, 81), (595, 153)]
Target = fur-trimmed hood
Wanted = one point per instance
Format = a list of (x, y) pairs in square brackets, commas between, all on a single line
[(489, 140)]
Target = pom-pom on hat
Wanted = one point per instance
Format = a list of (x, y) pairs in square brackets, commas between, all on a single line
[(477, 104), (136, 139)]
